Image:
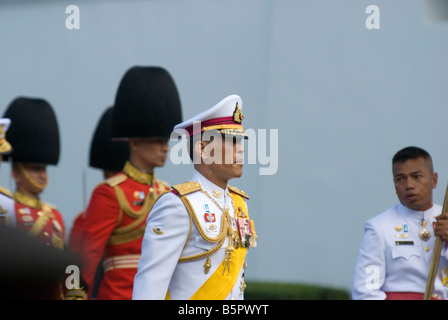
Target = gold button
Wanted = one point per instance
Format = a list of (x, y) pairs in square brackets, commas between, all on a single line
[(427, 248)]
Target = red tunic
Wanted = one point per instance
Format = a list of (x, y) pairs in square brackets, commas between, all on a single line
[(75, 236), (40, 220), (113, 230), (45, 223)]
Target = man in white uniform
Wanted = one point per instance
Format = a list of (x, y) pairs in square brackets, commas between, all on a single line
[(395, 255), (198, 234), (7, 213)]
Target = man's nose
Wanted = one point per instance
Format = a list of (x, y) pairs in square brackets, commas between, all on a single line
[(240, 148), (409, 184)]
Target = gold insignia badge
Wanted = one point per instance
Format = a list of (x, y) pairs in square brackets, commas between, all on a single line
[(237, 114), (424, 235), (157, 231), (241, 213)]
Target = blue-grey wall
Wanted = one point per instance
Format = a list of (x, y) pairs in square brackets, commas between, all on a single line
[(343, 98)]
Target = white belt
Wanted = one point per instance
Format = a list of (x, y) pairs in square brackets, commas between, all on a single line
[(120, 262)]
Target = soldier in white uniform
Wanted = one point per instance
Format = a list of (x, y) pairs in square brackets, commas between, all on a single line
[(395, 255), (7, 213), (198, 234)]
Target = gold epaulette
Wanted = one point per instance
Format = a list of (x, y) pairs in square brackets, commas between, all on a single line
[(187, 187), (238, 191), (163, 183), (5, 192), (115, 180), (50, 205)]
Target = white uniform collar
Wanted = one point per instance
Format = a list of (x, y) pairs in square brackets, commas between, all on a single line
[(413, 214), (212, 189)]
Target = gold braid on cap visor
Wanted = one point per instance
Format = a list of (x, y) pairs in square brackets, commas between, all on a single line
[(30, 179)]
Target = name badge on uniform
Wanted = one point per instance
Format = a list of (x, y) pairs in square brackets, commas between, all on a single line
[(404, 243)]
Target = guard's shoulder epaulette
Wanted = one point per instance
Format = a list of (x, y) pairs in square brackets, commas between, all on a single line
[(187, 187), (5, 192), (238, 191), (116, 179), (50, 205), (163, 183)]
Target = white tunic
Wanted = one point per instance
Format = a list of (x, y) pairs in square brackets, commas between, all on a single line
[(168, 226), (393, 258), (7, 211)]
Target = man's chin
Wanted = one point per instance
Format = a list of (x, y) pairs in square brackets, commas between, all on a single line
[(239, 171)]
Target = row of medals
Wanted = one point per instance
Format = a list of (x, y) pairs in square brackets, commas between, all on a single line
[(424, 234), (246, 236)]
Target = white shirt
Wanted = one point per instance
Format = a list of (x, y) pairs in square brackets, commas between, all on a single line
[(168, 226), (392, 257)]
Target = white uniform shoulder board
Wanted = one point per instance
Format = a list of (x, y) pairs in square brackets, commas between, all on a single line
[(186, 188)]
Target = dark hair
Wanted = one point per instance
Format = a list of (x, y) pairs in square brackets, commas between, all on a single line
[(412, 153), (192, 140)]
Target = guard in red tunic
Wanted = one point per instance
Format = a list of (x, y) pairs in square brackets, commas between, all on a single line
[(34, 133), (146, 108), (109, 156), (106, 155)]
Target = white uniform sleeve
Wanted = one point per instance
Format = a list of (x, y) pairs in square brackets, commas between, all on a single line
[(370, 267), (167, 229), (444, 251)]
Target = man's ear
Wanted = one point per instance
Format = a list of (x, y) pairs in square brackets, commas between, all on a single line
[(435, 180), (133, 143), (199, 150)]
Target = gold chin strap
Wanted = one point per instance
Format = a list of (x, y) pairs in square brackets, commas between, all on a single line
[(30, 179)]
